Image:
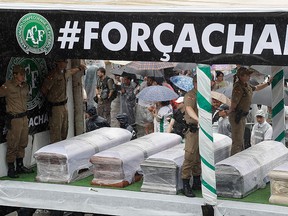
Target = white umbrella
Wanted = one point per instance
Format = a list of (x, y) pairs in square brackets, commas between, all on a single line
[(157, 93)]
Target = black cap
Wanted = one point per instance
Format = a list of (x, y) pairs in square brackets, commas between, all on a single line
[(223, 107), (92, 111)]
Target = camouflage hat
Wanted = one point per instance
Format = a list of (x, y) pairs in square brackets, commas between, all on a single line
[(18, 69), (243, 70)]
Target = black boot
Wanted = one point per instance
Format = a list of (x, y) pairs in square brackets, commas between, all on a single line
[(20, 168), (11, 171), (187, 190), (196, 183)]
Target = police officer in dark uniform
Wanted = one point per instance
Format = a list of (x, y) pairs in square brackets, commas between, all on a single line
[(240, 104), (16, 92)]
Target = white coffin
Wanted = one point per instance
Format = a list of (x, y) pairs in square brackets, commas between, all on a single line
[(245, 172), (68, 160), (222, 147), (162, 171), (120, 164), (279, 184)]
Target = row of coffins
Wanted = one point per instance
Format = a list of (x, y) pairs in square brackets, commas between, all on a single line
[(68, 160), (162, 171), (158, 156), (118, 166)]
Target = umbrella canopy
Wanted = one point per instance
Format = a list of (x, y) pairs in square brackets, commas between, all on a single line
[(184, 83), (184, 66), (263, 96), (125, 69), (120, 62), (267, 70), (157, 93), (221, 97), (117, 71), (138, 65)]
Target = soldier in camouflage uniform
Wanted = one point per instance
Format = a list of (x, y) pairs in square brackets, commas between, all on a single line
[(16, 92)]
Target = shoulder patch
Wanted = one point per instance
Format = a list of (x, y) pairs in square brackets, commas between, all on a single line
[(4, 86), (190, 98), (50, 77)]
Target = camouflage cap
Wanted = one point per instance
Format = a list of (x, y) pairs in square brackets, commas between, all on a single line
[(243, 70)]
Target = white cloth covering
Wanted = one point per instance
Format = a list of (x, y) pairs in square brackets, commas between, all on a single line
[(64, 161), (246, 171), (121, 162)]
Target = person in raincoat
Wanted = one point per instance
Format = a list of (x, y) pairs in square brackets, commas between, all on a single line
[(128, 98)]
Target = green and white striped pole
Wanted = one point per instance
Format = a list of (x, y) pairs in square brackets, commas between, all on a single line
[(206, 146), (278, 109)]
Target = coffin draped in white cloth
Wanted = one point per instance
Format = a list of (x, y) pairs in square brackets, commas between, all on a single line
[(119, 164), (246, 171), (68, 160), (222, 147), (162, 171)]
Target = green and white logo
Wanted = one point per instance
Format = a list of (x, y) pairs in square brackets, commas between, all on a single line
[(36, 70), (34, 34)]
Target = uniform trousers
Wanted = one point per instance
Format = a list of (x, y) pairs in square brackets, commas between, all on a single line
[(237, 131), (17, 139), (192, 162), (58, 123), (104, 110)]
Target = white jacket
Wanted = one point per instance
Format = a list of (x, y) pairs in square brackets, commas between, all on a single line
[(261, 132)]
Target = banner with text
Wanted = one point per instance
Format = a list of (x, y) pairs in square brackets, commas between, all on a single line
[(211, 38)]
